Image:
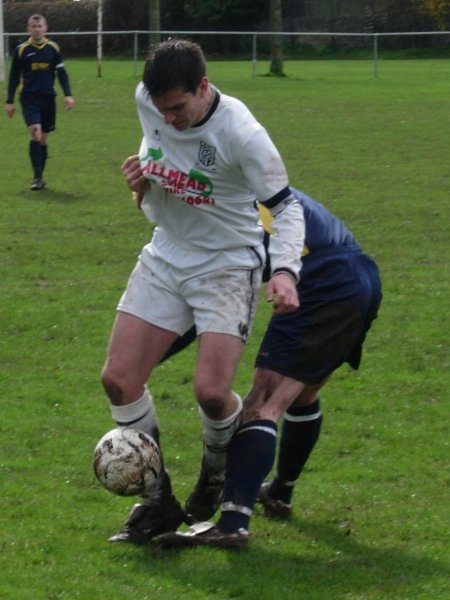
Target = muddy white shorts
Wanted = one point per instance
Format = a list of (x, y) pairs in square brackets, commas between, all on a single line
[(221, 301)]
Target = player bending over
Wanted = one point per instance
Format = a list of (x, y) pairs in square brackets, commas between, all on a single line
[(340, 293)]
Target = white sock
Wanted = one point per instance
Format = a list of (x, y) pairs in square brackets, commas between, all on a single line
[(217, 435), (140, 414)]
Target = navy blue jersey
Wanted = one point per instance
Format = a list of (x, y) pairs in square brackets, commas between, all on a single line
[(323, 231), (322, 228), (34, 67), (340, 293)]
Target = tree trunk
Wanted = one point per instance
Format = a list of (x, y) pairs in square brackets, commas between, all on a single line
[(154, 22), (276, 41)]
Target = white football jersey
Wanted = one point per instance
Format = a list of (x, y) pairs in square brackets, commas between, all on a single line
[(205, 182)]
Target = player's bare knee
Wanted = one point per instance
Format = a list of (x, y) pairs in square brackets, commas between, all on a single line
[(208, 391), (114, 385), (214, 407), (114, 392), (35, 133), (308, 395)]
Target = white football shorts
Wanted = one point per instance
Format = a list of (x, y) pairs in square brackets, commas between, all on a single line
[(222, 301)]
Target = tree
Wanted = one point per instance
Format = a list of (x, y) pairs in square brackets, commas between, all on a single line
[(154, 22), (439, 10), (276, 41)]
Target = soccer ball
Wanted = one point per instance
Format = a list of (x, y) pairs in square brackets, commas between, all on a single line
[(127, 461)]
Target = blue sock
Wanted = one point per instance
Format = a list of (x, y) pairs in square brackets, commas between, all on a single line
[(44, 153), (250, 457), (299, 434), (35, 151)]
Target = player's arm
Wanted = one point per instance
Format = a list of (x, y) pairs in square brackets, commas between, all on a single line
[(288, 233), (266, 172), (13, 82), (136, 181), (285, 247), (64, 82)]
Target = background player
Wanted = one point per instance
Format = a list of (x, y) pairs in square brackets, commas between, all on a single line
[(340, 293), (33, 67)]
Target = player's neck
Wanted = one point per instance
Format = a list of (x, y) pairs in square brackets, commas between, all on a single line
[(209, 98)]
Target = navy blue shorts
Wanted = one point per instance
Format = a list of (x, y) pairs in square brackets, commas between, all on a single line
[(39, 108), (340, 293)]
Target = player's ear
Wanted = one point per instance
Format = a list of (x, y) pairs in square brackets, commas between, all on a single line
[(204, 83)]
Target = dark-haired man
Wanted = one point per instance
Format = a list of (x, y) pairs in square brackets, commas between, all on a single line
[(203, 164)]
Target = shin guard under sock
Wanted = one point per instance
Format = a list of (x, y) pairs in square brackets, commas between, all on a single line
[(299, 434), (35, 152), (250, 457), (44, 156)]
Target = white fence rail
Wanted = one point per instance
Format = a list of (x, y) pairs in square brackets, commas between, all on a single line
[(374, 40)]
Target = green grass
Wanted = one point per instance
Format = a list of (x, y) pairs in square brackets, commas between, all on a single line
[(372, 512)]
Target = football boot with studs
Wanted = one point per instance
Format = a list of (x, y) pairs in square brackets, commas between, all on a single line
[(159, 512), (38, 184), (206, 497), (204, 534), (273, 507)]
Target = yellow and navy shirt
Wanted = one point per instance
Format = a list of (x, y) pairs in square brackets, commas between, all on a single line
[(34, 67), (324, 232)]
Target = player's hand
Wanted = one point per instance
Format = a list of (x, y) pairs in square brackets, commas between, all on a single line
[(10, 110), (136, 181), (68, 102), (138, 197), (282, 291)]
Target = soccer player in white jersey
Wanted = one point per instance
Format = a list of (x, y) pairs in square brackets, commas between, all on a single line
[(203, 165)]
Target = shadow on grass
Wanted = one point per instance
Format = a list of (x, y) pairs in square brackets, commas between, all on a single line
[(274, 567), (53, 195)]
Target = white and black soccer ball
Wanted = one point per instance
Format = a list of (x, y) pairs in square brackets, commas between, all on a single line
[(127, 461)]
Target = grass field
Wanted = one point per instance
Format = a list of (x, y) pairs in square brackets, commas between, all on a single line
[(372, 512)]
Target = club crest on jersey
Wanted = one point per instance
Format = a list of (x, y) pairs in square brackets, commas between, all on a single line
[(206, 154)]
